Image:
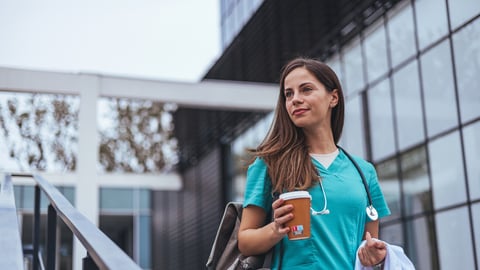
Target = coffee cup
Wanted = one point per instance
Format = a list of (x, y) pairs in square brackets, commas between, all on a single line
[(300, 224)]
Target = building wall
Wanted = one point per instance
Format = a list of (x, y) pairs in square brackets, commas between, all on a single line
[(412, 94), (185, 222)]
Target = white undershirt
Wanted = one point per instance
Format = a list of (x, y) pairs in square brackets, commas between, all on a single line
[(326, 159)]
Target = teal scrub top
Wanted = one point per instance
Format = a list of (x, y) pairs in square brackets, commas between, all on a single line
[(334, 237)]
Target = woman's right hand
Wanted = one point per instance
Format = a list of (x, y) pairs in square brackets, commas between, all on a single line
[(282, 213)]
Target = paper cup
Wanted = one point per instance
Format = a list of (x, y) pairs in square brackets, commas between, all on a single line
[(300, 224)]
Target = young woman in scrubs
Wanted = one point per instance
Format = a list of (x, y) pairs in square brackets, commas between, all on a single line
[(300, 153)]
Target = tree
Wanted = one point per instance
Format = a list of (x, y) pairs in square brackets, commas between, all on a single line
[(39, 131)]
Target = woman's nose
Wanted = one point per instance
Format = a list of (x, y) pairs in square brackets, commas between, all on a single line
[(296, 98)]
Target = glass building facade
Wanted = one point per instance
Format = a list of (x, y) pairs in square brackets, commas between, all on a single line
[(234, 15), (412, 88)]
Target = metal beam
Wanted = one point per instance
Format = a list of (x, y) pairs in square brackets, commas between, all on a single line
[(210, 94)]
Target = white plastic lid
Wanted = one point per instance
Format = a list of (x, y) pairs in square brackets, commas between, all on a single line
[(295, 195)]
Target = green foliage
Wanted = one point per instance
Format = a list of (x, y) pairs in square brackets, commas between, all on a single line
[(136, 136), (39, 131)]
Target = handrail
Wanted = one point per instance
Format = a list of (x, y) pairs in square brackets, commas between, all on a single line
[(105, 253), (10, 241)]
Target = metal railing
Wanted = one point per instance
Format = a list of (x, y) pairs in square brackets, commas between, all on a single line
[(10, 242), (102, 253)]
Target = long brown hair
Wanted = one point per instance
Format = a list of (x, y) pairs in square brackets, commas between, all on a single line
[(284, 149)]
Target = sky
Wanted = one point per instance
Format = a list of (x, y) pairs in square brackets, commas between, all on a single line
[(172, 40)]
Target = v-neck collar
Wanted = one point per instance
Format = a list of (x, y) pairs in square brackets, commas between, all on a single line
[(335, 166)]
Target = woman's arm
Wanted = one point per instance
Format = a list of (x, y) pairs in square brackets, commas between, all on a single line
[(254, 237), (372, 228), (373, 252)]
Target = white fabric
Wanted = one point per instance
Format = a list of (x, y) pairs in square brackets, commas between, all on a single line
[(395, 259), (326, 159)]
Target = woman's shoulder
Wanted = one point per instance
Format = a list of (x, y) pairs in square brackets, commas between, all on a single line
[(258, 161), (363, 163)]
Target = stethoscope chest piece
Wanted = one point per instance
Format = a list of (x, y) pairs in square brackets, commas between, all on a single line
[(372, 212)]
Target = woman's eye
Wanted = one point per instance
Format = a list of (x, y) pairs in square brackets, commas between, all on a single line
[(288, 94), (306, 89)]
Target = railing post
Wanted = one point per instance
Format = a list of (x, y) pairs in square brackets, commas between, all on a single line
[(36, 228), (51, 237), (89, 264)]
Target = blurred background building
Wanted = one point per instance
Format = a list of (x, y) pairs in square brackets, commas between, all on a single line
[(157, 169)]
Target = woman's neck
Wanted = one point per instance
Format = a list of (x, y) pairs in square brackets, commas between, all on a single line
[(320, 142)]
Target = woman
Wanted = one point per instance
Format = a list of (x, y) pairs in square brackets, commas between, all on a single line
[(300, 153)]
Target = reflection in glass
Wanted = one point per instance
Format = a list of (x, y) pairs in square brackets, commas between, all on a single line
[(401, 33), (388, 177), (116, 199), (353, 137), (432, 22), (476, 227), (467, 65), (462, 11), (352, 59), (381, 120), (408, 106), (420, 240), (241, 157), (376, 51), (144, 197), (439, 90), (471, 142), (453, 226), (335, 64), (446, 169), (144, 239), (416, 187), (392, 234)]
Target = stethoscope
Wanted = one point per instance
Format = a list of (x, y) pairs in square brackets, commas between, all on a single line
[(370, 210)]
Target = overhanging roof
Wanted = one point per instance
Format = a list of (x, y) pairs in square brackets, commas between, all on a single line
[(281, 30)]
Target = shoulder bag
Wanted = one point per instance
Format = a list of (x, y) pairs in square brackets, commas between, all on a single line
[(224, 254)]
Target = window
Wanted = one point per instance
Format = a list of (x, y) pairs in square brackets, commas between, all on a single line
[(467, 67), (446, 168), (392, 234), (354, 79), (420, 242), (454, 227), (376, 52), (471, 142), (401, 33), (408, 106), (336, 65), (439, 90), (416, 186), (381, 119), (353, 138), (388, 177), (126, 219), (431, 21), (476, 227), (462, 11)]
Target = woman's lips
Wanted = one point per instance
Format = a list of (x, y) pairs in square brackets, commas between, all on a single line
[(299, 111)]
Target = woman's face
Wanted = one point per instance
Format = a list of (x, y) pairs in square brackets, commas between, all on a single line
[(307, 101)]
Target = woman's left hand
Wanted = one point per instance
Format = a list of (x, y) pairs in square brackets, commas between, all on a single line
[(373, 252)]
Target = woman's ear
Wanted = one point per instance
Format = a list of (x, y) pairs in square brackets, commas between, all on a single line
[(334, 98)]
